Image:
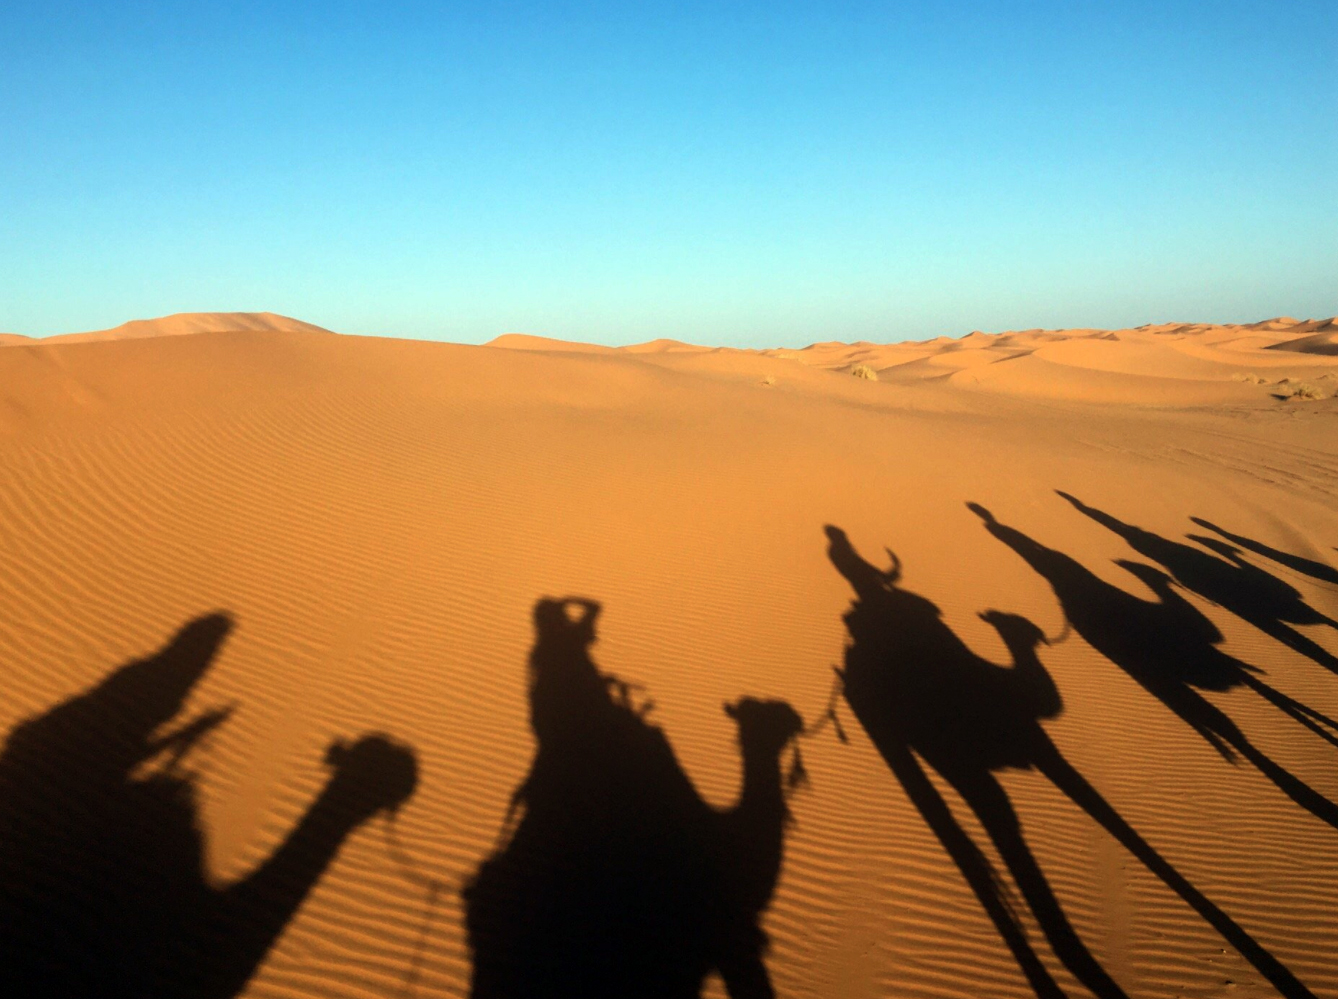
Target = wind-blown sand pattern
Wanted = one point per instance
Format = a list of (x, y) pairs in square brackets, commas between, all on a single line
[(378, 518)]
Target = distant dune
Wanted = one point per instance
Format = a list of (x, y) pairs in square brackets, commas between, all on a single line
[(1322, 340), (524, 341), (1085, 744), (664, 346), (1316, 336), (180, 324)]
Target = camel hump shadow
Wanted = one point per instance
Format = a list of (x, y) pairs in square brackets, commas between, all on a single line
[(103, 884), (618, 878)]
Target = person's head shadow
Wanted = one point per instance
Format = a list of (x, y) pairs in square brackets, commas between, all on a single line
[(618, 879), (103, 885)]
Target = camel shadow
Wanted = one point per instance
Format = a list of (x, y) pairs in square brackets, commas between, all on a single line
[(926, 700), (1170, 649), (1308, 567), (103, 885), (618, 879), (1258, 597)]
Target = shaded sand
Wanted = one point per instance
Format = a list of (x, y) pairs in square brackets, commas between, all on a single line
[(1143, 806)]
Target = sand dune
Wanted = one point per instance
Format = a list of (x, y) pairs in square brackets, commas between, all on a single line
[(524, 341), (181, 324), (1325, 342), (1122, 784), (664, 346)]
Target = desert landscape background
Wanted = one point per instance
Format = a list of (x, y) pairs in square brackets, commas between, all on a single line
[(377, 518)]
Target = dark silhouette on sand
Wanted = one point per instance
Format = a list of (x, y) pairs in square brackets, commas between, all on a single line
[(103, 888), (1309, 567), (1270, 604), (926, 699), (1169, 649), (618, 879)]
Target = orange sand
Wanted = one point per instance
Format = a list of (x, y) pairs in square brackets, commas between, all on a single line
[(378, 517)]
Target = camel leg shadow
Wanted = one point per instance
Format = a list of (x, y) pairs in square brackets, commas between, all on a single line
[(985, 796), (973, 864), (1051, 762)]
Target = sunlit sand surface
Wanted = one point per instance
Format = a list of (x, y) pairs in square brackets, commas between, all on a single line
[(378, 517)]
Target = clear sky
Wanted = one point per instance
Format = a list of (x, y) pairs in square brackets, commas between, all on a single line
[(750, 174)]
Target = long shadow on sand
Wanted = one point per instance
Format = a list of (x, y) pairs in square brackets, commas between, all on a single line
[(1265, 601), (619, 880), (1309, 567), (103, 889), (926, 699), (1170, 650)]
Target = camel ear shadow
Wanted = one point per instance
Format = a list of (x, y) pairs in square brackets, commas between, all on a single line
[(731, 709)]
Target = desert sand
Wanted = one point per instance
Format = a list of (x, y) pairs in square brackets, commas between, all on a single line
[(1122, 784)]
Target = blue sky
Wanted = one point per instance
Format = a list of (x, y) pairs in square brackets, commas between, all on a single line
[(747, 174)]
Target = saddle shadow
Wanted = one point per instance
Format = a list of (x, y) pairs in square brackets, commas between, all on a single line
[(1258, 597), (103, 886), (926, 700), (1170, 650), (618, 879), (1308, 567)]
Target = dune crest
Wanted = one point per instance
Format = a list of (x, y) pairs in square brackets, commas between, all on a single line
[(178, 324), (528, 341), (1164, 365), (664, 346)]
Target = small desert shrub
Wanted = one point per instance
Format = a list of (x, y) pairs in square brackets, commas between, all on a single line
[(769, 380), (1251, 378), (865, 372), (1301, 390)]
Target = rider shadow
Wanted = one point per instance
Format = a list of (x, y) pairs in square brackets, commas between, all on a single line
[(103, 885), (1258, 597), (1169, 648), (1308, 567), (618, 879), (926, 700)]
